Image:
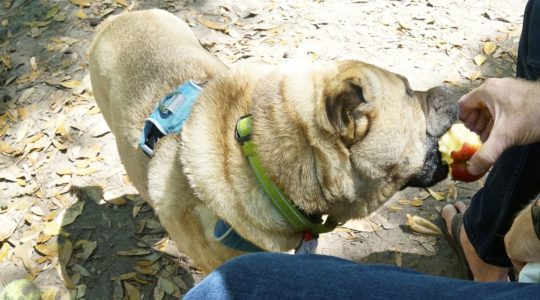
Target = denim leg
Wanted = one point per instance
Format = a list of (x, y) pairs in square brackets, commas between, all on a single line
[(513, 181), (528, 63), (282, 276)]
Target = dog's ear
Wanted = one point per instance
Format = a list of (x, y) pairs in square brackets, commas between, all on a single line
[(341, 104)]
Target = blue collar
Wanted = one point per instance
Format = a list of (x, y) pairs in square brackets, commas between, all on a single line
[(169, 116), (227, 236)]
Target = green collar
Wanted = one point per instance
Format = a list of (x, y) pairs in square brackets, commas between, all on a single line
[(300, 222)]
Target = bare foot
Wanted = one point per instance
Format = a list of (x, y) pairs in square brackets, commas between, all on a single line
[(481, 271)]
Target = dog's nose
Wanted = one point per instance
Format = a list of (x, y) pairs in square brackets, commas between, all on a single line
[(442, 109)]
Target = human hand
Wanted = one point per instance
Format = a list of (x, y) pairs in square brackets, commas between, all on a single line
[(504, 112), (522, 244)]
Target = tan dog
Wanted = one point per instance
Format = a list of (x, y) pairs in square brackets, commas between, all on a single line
[(338, 139), (522, 243)]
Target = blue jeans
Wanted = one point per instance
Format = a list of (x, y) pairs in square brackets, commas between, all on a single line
[(282, 276), (513, 181)]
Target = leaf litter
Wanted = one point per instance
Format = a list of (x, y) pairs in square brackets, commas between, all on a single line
[(52, 137)]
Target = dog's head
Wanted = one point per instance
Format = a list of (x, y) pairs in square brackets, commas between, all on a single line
[(344, 137)]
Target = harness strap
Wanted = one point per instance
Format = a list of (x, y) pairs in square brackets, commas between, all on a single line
[(225, 234), (169, 116)]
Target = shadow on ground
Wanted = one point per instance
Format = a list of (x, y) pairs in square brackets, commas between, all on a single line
[(108, 250)]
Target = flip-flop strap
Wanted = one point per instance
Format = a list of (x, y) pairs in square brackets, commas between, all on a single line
[(457, 222)]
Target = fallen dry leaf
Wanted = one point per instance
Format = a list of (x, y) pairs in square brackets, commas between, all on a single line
[(362, 225), (94, 111), (423, 226), (49, 293), (23, 113), (429, 247), (168, 286), (4, 129), (21, 182), (118, 290), (417, 202), (64, 171), (489, 48), (144, 263), (63, 274), (213, 25), (145, 270), (88, 248), (81, 270), (436, 195), (52, 12), (52, 228), (81, 291), (7, 227), (398, 258), (131, 291), (76, 278), (71, 214), (42, 259), (136, 210), (83, 163), (61, 127), (395, 207), (480, 59), (158, 293), (84, 3), (50, 249), (474, 75), (22, 131), (66, 252), (5, 250), (133, 252), (152, 224), (85, 171), (5, 60), (124, 276), (122, 2), (59, 145), (99, 128), (7, 148), (81, 15), (452, 192), (24, 253)]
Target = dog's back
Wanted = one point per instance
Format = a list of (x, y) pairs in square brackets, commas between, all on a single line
[(145, 54), (136, 59)]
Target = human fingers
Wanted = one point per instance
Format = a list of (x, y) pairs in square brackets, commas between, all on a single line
[(471, 119), (484, 135), (488, 153), (483, 121)]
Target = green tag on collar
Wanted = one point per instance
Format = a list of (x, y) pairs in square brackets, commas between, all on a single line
[(244, 128)]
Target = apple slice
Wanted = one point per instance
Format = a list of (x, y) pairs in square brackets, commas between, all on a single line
[(457, 146)]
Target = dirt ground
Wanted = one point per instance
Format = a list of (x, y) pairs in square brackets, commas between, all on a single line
[(69, 219)]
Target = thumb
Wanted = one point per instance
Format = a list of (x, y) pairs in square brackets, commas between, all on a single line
[(486, 156)]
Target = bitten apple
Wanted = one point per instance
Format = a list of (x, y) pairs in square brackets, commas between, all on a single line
[(457, 146)]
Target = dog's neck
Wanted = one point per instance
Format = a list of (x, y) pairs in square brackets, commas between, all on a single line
[(288, 132)]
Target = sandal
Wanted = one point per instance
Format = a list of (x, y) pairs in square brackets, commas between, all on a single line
[(455, 242)]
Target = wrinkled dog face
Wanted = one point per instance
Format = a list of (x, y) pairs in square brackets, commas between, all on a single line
[(369, 135), (390, 131)]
